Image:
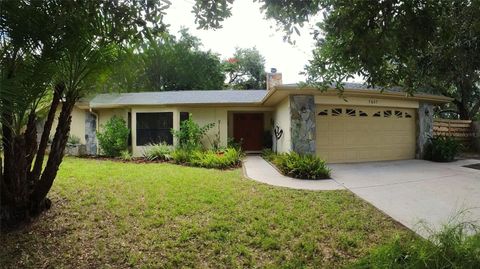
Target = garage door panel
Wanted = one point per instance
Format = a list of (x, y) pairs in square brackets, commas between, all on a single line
[(370, 137)]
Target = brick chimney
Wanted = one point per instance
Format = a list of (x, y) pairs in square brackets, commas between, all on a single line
[(273, 79)]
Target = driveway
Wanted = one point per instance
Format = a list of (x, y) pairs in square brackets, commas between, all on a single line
[(414, 191)]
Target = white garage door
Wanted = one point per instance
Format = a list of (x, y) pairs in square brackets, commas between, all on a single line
[(359, 134)]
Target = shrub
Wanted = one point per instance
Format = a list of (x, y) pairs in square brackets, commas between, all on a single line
[(73, 140), (452, 247), (227, 158), (268, 154), (181, 156), (190, 134), (232, 143), (442, 149), (114, 137), (158, 152), (301, 166), (126, 155)]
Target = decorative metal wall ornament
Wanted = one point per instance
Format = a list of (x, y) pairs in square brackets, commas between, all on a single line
[(278, 134)]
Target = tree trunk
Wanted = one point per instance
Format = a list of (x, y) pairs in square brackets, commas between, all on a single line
[(55, 157), (47, 128)]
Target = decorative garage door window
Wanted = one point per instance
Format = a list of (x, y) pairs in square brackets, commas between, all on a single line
[(354, 112), (154, 128), (364, 133)]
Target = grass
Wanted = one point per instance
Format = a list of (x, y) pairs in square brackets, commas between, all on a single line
[(118, 215)]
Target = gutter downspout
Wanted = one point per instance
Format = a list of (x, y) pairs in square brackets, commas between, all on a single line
[(96, 125)]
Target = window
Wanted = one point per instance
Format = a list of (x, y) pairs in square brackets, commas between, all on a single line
[(351, 112), (337, 111), (362, 114), (323, 113), (184, 116), (398, 113), (387, 113), (154, 128), (407, 115), (378, 114)]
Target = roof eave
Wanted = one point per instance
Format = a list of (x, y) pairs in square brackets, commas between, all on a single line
[(437, 99)]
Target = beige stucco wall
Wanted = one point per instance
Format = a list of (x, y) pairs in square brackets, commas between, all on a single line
[(104, 115), (281, 117), (201, 115), (77, 127)]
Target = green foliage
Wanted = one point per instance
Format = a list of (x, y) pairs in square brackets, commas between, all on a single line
[(232, 143), (73, 140), (300, 166), (218, 159), (268, 154), (190, 135), (442, 149), (415, 50), (113, 139), (166, 63), (246, 69), (453, 247), (172, 65), (227, 158), (158, 152), (126, 155), (182, 156)]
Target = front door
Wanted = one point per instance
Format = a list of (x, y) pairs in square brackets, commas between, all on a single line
[(248, 128)]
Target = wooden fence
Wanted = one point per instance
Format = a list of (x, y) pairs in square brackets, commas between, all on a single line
[(462, 130)]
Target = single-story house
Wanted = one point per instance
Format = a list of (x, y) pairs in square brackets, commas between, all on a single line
[(364, 124)]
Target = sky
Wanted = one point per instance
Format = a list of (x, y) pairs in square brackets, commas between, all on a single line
[(246, 28)]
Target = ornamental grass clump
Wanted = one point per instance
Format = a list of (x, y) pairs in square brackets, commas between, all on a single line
[(301, 166), (455, 246), (158, 152)]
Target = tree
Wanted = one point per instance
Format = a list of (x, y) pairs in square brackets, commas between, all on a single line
[(50, 54), (166, 63), (246, 69), (176, 65), (420, 45)]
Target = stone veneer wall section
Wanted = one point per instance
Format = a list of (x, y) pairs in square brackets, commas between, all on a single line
[(302, 113), (90, 134), (424, 128)]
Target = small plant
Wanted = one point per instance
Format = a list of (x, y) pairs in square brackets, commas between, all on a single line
[(227, 158), (181, 156), (268, 154), (126, 155), (442, 149), (190, 134), (158, 152), (73, 140), (455, 246), (114, 137), (301, 166), (232, 143)]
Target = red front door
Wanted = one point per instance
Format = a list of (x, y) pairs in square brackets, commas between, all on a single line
[(248, 128)]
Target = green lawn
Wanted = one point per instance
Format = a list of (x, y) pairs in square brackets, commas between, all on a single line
[(117, 215)]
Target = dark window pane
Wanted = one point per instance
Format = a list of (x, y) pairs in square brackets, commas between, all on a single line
[(184, 116), (154, 128)]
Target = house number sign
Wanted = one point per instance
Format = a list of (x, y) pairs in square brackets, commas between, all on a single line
[(373, 101)]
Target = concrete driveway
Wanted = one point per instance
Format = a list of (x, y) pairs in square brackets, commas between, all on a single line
[(414, 191)]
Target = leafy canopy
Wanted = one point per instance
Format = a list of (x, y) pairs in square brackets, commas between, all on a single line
[(421, 45), (246, 69)]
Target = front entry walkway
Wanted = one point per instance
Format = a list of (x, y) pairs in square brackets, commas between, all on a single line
[(256, 168), (414, 191)]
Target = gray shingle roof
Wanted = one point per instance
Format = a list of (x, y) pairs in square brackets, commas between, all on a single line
[(180, 97)]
